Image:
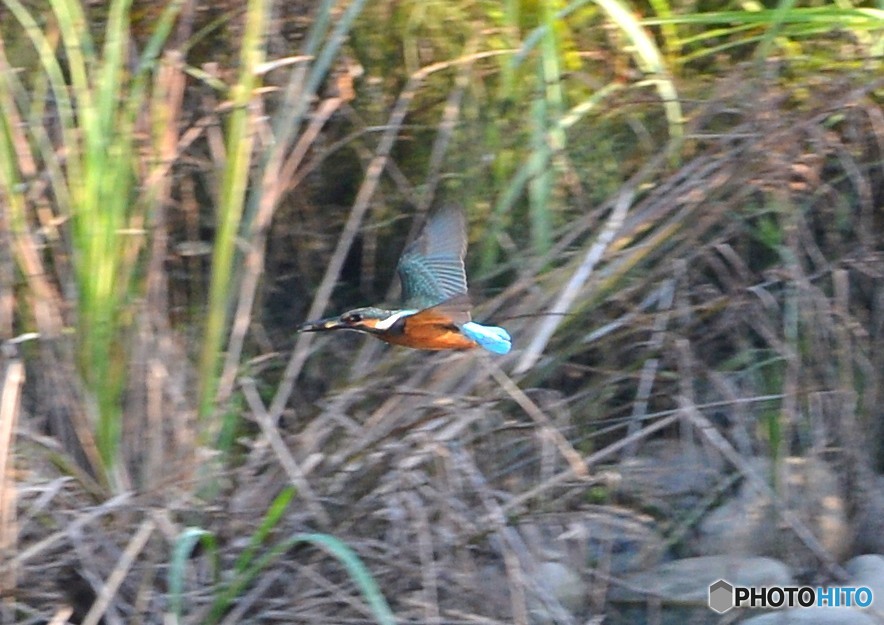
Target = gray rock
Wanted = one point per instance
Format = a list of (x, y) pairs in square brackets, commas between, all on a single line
[(687, 581), (869, 522), (669, 476), (562, 584), (748, 524), (613, 540), (814, 616), (554, 593), (868, 571)]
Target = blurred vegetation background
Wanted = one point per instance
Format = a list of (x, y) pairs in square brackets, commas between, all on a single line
[(677, 210)]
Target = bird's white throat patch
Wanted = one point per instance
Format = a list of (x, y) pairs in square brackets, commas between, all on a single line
[(386, 324)]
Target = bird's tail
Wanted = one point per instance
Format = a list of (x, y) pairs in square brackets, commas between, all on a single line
[(492, 338)]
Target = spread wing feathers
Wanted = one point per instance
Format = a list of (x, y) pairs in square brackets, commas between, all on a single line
[(453, 311), (431, 268)]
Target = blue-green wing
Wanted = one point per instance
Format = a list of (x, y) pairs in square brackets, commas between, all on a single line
[(431, 268)]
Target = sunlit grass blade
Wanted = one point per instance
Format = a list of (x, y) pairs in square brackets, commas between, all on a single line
[(763, 51), (358, 573), (277, 163), (95, 188), (734, 29), (541, 182), (547, 137), (58, 85), (248, 565), (270, 521), (231, 203), (644, 50), (345, 555), (648, 57), (10, 175), (532, 167), (672, 43), (535, 38), (181, 552)]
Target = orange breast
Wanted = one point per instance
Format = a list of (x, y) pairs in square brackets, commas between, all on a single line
[(423, 331)]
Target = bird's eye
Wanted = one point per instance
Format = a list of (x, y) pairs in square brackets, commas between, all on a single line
[(353, 318)]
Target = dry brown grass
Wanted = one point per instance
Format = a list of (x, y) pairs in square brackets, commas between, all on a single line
[(743, 289)]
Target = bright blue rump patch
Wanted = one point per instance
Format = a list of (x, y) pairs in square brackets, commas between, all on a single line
[(492, 338)]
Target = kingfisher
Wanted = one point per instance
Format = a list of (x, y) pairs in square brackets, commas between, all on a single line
[(436, 308)]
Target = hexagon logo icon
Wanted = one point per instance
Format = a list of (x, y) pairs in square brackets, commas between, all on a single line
[(721, 596)]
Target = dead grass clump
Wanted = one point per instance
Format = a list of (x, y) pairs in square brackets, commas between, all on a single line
[(736, 309)]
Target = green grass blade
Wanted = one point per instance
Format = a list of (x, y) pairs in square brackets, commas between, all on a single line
[(95, 188), (58, 84), (507, 199), (784, 7), (109, 85), (271, 520), (645, 52), (80, 52), (830, 16), (231, 202), (649, 60), (345, 555), (537, 35), (158, 38), (672, 44), (288, 120), (541, 182), (181, 551), (357, 571), (11, 182)]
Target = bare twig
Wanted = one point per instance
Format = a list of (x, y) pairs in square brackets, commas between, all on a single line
[(297, 477), (354, 221), (571, 455), (602, 454), (556, 313), (10, 404), (121, 570), (714, 437)]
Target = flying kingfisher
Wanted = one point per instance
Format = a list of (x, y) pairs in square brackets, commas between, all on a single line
[(436, 312)]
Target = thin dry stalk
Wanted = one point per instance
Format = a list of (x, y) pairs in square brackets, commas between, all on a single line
[(154, 384), (603, 454), (251, 598), (496, 520), (121, 570), (651, 365), (566, 298), (7, 280), (578, 468), (32, 552), (277, 174), (296, 475), (426, 465), (61, 616), (426, 552), (704, 427), (42, 296), (351, 228), (10, 406)]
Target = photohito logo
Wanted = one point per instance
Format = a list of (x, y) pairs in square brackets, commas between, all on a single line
[(723, 596)]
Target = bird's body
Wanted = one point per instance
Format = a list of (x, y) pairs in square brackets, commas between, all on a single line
[(434, 291)]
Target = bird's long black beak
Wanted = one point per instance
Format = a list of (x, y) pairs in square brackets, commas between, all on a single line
[(330, 323)]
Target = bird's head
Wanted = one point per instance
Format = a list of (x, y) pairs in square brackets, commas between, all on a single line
[(371, 320)]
